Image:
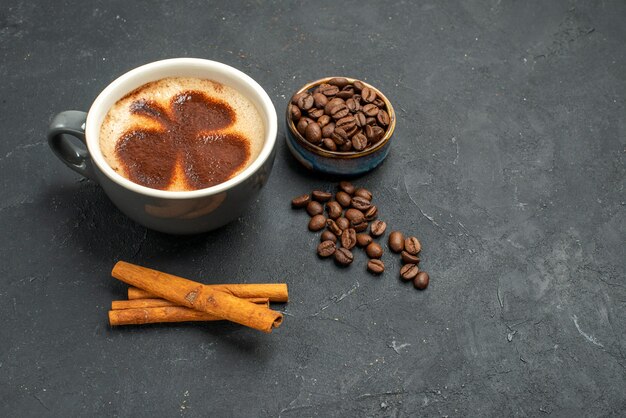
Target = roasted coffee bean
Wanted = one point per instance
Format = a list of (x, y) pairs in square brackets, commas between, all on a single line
[(359, 142), (347, 187), (379, 102), (360, 119), (364, 193), (339, 111), (370, 121), (317, 222), (343, 256), (315, 113), (345, 94), (371, 213), (408, 272), (348, 238), (328, 89), (360, 203), (295, 112), (343, 198), (374, 250), (396, 241), (353, 105), (326, 248), (368, 95), (334, 209), (339, 136), (328, 129), (363, 240), (421, 280), (321, 196), (295, 97), (333, 227), (313, 133), (357, 97), (371, 133), (346, 123), (323, 120), (329, 144), (408, 258), (332, 103), (360, 227), (412, 245), (355, 216), (358, 85), (300, 201), (343, 223), (383, 118), (340, 82), (314, 208), (370, 110), (305, 102), (378, 132), (320, 101), (354, 130), (378, 228), (302, 124), (328, 236), (346, 146), (375, 266)]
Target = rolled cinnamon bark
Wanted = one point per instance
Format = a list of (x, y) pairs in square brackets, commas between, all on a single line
[(194, 295), (275, 292), (137, 316), (157, 303)]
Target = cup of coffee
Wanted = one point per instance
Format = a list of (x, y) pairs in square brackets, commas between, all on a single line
[(181, 145)]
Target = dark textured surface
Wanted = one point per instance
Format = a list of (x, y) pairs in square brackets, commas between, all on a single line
[(508, 162)]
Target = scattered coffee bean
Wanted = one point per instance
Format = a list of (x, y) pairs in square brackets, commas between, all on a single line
[(347, 187), (360, 227), (408, 258), (300, 201), (355, 216), (412, 245), (326, 248), (328, 236), (348, 238), (314, 208), (343, 256), (375, 266), (333, 227), (396, 241), (334, 209), (364, 193), (343, 198), (374, 250), (317, 222), (408, 272), (378, 228), (360, 203), (321, 196), (363, 240), (371, 213), (421, 280), (343, 223)]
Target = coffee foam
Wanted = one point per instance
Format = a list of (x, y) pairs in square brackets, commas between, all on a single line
[(120, 120)]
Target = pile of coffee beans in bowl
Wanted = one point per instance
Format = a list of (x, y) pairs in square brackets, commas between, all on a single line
[(341, 115)]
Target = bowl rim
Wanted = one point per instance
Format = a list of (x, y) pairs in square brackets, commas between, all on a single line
[(341, 154)]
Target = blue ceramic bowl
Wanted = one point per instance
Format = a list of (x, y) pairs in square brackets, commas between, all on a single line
[(352, 163)]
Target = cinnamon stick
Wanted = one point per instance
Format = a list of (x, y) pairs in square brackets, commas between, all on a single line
[(157, 303), (154, 315), (194, 295), (275, 292)]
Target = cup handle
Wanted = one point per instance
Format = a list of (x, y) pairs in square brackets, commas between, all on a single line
[(71, 122)]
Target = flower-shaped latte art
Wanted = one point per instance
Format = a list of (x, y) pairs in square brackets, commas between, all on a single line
[(187, 143)]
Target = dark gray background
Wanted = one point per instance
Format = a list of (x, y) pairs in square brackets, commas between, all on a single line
[(508, 163)]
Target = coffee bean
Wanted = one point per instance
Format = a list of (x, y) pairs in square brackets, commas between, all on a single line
[(315, 113), (355, 216), (347, 187), (412, 245), (408, 272), (345, 94), (374, 250), (378, 132), (333, 227), (375, 266), (370, 121), (343, 223), (360, 119), (339, 136), (302, 124), (360, 203), (358, 85), (328, 236), (295, 97), (346, 146), (314, 208), (340, 82), (383, 118), (329, 144), (334, 209), (326, 248), (408, 258), (350, 132), (363, 240), (317, 222), (359, 142), (371, 213), (346, 123), (353, 105), (348, 238), (378, 228), (300, 201), (305, 102), (295, 112), (328, 129), (421, 280), (370, 134), (320, 101), (343, 256), (332, 103), (360, 227), (364, 193), (396, 241), (328, 89), (370, 110), (343, 198), (313, 133), (339, 111), (368, 95), (379, 102), (321, 196)]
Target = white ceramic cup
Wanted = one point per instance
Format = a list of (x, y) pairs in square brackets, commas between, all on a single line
[(175, 212)]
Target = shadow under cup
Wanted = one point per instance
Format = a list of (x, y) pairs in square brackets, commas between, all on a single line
[(175, 212)]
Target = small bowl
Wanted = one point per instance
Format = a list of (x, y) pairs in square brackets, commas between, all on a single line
[(351, 163)]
